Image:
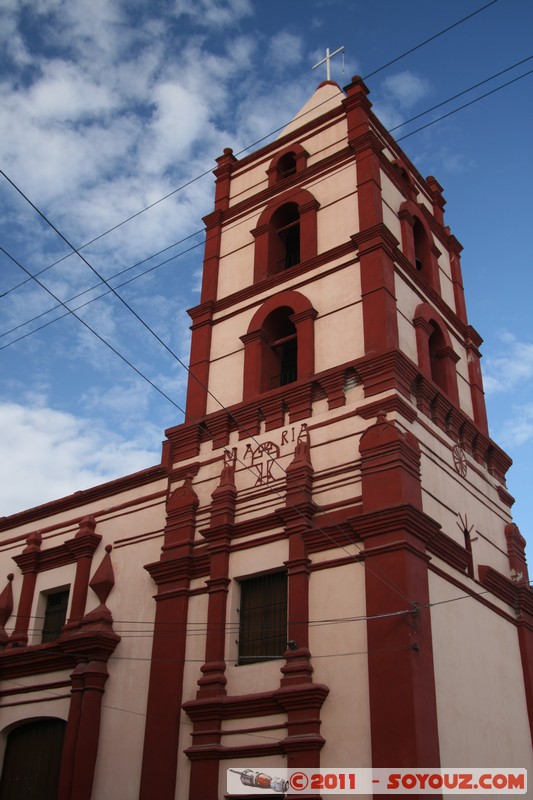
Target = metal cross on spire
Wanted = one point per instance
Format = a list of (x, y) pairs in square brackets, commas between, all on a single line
[(327, 60)]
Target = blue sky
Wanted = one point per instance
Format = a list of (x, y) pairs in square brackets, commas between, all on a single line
[(110, 105)]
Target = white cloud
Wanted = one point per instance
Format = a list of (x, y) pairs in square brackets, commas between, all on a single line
[(214, 13), (397, 95), (284, 51), (518, 430), (46, 454), (504, 371), (405, 88)]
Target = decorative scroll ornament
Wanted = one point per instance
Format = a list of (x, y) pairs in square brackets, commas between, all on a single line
[(459, 461)]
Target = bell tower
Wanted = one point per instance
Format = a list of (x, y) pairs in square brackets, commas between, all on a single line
[(335, 465)]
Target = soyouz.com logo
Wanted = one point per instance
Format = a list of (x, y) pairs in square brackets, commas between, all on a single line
[(251, 780)]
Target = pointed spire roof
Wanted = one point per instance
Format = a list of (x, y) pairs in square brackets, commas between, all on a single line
[(328, 95)]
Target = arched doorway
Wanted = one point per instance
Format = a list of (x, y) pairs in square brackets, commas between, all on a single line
[(32, 761)]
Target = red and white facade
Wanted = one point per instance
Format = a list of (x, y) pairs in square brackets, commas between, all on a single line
[(336, 433)]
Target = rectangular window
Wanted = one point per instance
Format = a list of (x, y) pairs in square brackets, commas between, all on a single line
[(263, 618), (55, 615)]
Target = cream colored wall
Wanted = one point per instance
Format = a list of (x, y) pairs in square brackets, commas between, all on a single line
[(446, 495), (247, 182), (445, 275), (337, 220), (195, 657), (481, 704), (338, 215), (407, 301), (237, 247), (336, 297), (391, 196), (133, 608), (333, 594), (326, 141)]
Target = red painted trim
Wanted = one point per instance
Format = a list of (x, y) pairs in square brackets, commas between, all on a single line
[(410, 214), (256, 343), (87, 496), (199, 360), (300, 156), (265, 234), (376, 255), (425, 318), (525, 640), (226, 165), (472, 343), (173, 575), (71, 734), (218, 535), (454, 248), (395, 533)]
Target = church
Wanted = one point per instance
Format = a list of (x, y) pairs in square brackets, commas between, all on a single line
[(323, 570)]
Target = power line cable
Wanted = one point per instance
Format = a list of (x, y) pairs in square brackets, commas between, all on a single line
[(140, 318), (93, 331), (460, 94), (465, 105), (112, 277), (213, 438), (248, 147), (124, 302), (202, 231), (431, 39)]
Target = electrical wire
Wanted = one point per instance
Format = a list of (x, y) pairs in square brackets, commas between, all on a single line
[(134, 312), (178, 359), (202, 231), (113, 290), (250, 146), (460, 94), (466, 105), (431, 39), (213, 438)]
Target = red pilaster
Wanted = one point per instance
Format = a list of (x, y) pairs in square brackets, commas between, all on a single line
[(226, 163), (438, 200), (374, 240), (297, 516), (254, 343), (71, 734), (303, 742), (94, 677), (91, 642), (202, 317), (395, 531), (457, 277), (525, 640), (82, 547), (6, 609), (172, 575), (218, 536), (28, 562), (473, 343), (212, 684)]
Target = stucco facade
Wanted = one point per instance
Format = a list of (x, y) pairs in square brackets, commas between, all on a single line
[(335, 444)]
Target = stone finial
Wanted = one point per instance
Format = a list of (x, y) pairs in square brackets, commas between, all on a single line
[(103, 579), (33, 542), (87, 526), (183, 497)]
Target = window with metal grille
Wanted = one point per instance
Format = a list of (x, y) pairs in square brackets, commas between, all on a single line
[(263, 618), (55, 615)]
